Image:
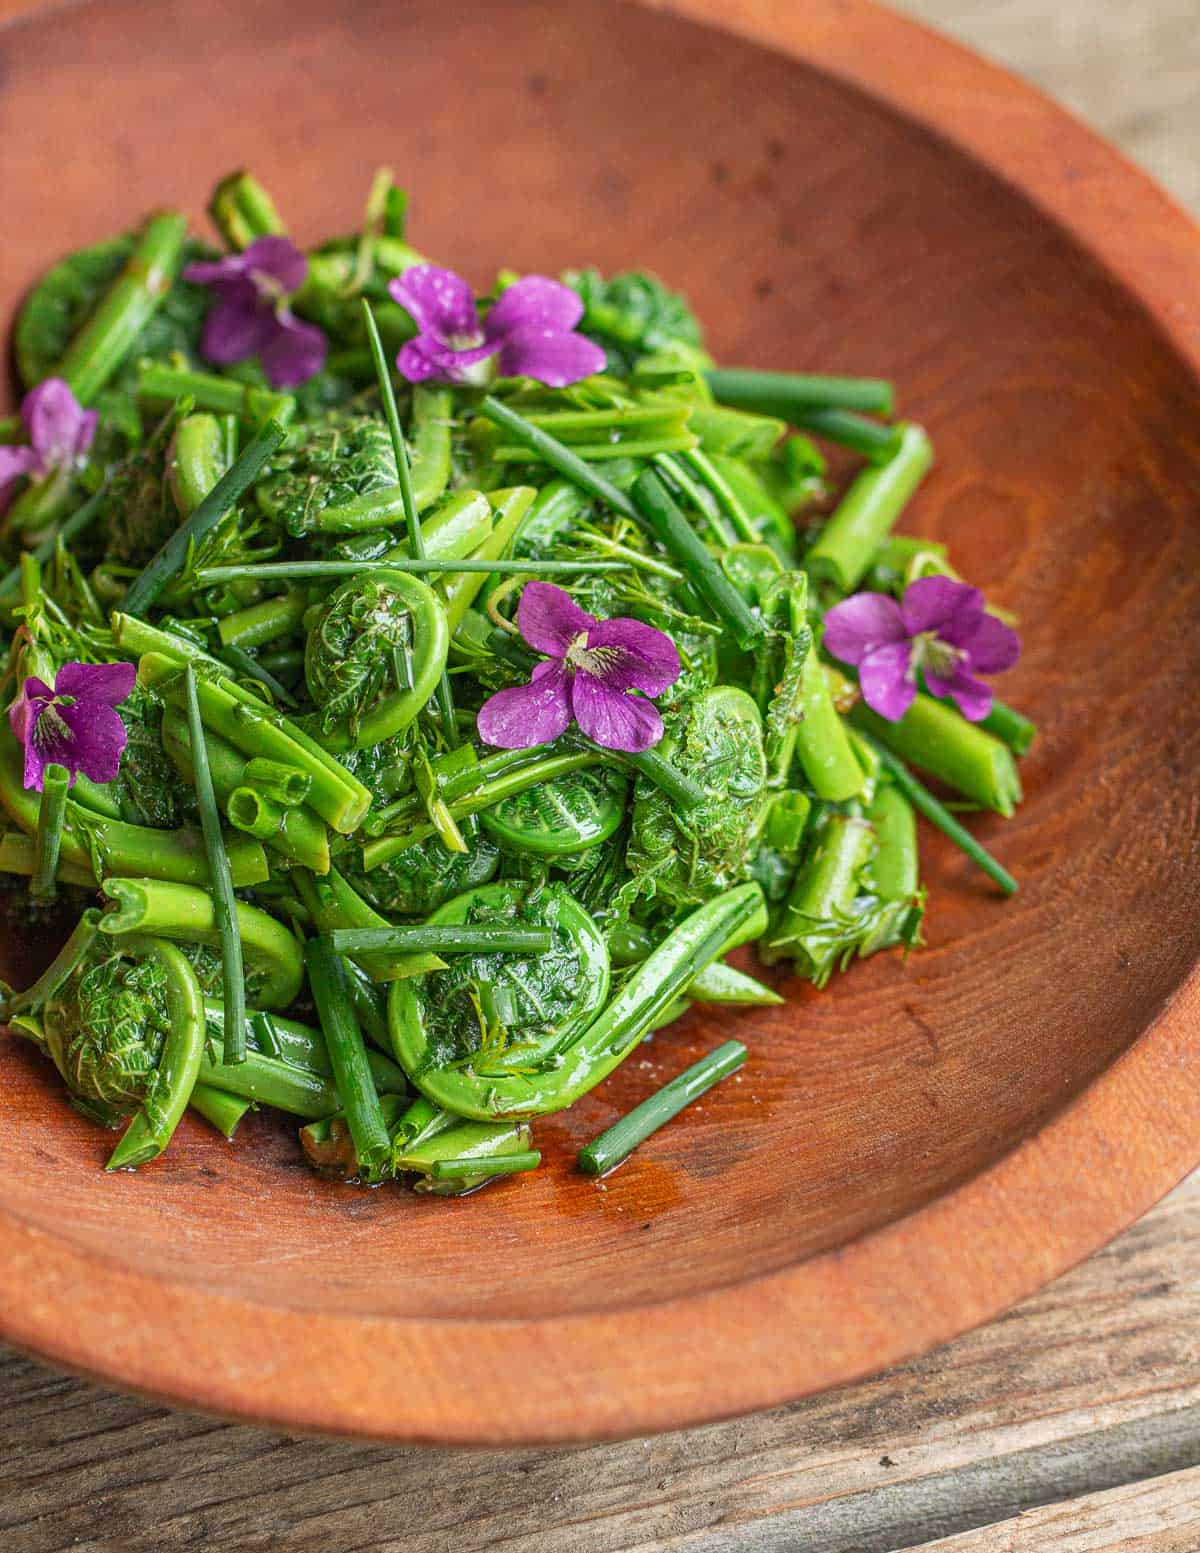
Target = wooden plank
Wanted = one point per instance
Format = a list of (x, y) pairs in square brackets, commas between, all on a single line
[(1161, 1515), (1090, 1385)]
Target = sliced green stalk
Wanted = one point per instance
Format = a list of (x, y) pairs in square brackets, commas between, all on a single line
[(343, 1038), (934, 735), (161, 384), (618, 1142), (108, 336), (867, 513), (787, 394), (47, 844)]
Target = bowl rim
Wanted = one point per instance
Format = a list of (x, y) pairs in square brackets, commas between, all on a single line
[(894, 1292)]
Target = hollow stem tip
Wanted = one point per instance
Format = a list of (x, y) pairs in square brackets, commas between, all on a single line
[(617, 1142)]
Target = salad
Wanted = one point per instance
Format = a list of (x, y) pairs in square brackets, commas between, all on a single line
[(415, 696)]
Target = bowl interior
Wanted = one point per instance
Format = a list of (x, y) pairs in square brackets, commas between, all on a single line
[(813, 229)]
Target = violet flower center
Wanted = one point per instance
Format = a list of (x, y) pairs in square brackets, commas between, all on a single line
[(268, 287), (597, 661), (50, 728), (930, 652)]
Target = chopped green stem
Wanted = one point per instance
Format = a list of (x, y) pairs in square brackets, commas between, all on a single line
[(681, 475), (225, 906), (617, 1142), (671, 527), (937, 814), (301, 836), (196, 461), (789, 394), (867, 513), (1008, 725), (108, 336), (280, 571), (267, 621), (334, 903), (52, 814), (256, 729), (485, 939), (823, 749), (724, 495), (232, 485), (161, 384), (360, 1099), (242, 210), (271, 1081), (300, 1046), (520, 780), (238, 658), (283, 783), (656, 768), (817, 927), (555, 453), (220, 1110), (254, 812), (934, 735), (94, 842), (725, 984), (875, 442), (481, 1169)]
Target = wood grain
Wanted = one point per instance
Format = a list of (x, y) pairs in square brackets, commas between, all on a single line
[(925, 1143), (1088, 1386)]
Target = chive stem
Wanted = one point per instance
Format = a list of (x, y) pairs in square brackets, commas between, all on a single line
[(485, 939), (52, 814), (224, 901), (412, 520), (617, 1142), (789, 394), (232, 485), (209, 576), (239, 659), (937, 814), (480, 1166), (873, 440), (558, 456), (348, 1054), (671, 528)]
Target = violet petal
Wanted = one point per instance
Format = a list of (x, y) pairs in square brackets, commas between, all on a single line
[(110, 682), (972, 697), (613, 719), (534, 302), (992, 646), (59, 428), (294, 353), (440, 302), (239, 326), (940, 604), (217, 272), (633, 656), (862, 623), (536, 713), (278, 259), (549, 356), (97, 739), (425, 358), (883, 675), (550, 620), (16, 462)]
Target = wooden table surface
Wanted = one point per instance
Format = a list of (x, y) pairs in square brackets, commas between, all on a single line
[(1071, 1425)]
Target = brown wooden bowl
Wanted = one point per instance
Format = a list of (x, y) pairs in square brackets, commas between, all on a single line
[(924, 1143)]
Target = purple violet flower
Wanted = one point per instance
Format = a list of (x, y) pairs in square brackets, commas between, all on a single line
[(60, 433), (940, 627), (530, 327), (76, 724), (251, 316), (590, 669)]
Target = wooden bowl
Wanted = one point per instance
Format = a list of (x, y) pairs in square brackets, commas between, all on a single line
[(921, 1145)]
